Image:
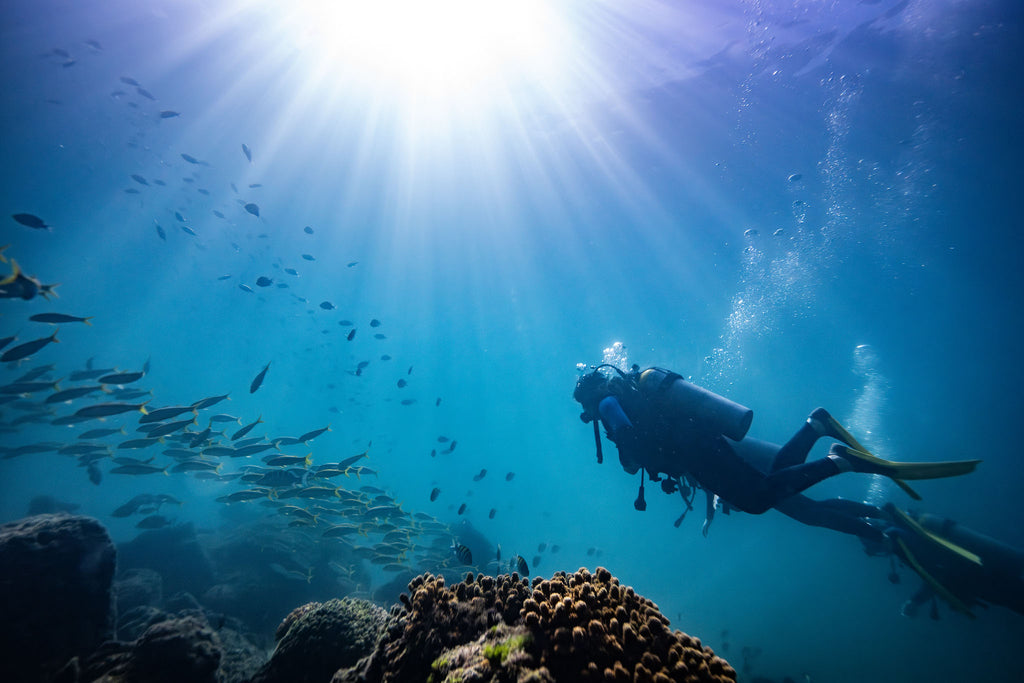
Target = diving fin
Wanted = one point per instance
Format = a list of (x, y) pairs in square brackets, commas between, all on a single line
[(906, 489), (933, 583), (835, 430), (929, 535), (862, 461)]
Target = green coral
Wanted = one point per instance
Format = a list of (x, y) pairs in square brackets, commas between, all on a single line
[(497, 653)]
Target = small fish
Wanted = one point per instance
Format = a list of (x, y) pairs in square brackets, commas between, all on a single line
[(309, 257), (138, 469), (536, 561), (188, 231), (351, 335), (131, 190), (481, 475), (139, 179), (462, 509), (409, 402), (352, 264), (247, 152), (258, 380), (347, 462), (402, 383), (56, 318), (160, 231), (795, 177), (555, 548), (159, 182), (541, 547), (171, 427), (518, 563), (374, 323), (179, 217), (199, 438), (252, 208), (207, 402), (246, 429), (462, 553), (434, 494), (309, 436), (133, 444), (218, 214), (339, 530), (490, 515), (264, 281), (161, 414), (289, 460), (145, 93), (308, 230), (95, 475), (437, 403), (27, 349), (31, 221), (224, 417), (255, 185), (121, 378), (327, 305), (189, 158), (129, 81), (242, 496), (292, 271), (245, 288), (409, 371), (385, 357), (252, 450), (196, 466), (99, 433)]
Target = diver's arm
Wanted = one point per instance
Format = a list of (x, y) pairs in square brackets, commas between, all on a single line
[(621, 431)]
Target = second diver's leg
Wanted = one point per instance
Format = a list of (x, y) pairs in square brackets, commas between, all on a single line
[(834, 514)]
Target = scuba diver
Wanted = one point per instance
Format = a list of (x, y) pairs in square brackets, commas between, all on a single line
[(955, 563), (687, 438)]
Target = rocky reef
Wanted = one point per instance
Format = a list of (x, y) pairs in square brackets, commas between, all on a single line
[(572, 627), (56, 572)]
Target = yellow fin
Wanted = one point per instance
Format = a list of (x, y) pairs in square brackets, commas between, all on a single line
[(916, 527), (933, 583)]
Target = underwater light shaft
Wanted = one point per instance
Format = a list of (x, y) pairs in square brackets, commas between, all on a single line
[(443, 48)]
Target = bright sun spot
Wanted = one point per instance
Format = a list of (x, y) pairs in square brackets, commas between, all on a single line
[(432, 48)]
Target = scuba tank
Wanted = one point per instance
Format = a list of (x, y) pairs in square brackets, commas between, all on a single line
[(682, 400)]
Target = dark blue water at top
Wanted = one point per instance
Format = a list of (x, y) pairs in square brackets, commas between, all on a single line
[(811, 205)]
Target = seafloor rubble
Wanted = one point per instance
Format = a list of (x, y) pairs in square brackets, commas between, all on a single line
[(68, 621)]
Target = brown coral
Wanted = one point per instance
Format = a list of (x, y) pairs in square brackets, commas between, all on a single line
[(581, 626)]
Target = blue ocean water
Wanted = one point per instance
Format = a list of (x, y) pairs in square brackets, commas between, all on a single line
[(792, 204)]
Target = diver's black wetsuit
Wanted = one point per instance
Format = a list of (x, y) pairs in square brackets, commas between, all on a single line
[(737, 471), (998, 579)]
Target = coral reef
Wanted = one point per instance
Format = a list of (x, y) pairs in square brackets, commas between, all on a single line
[(572, 627), (56, 573), (317, 639)]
